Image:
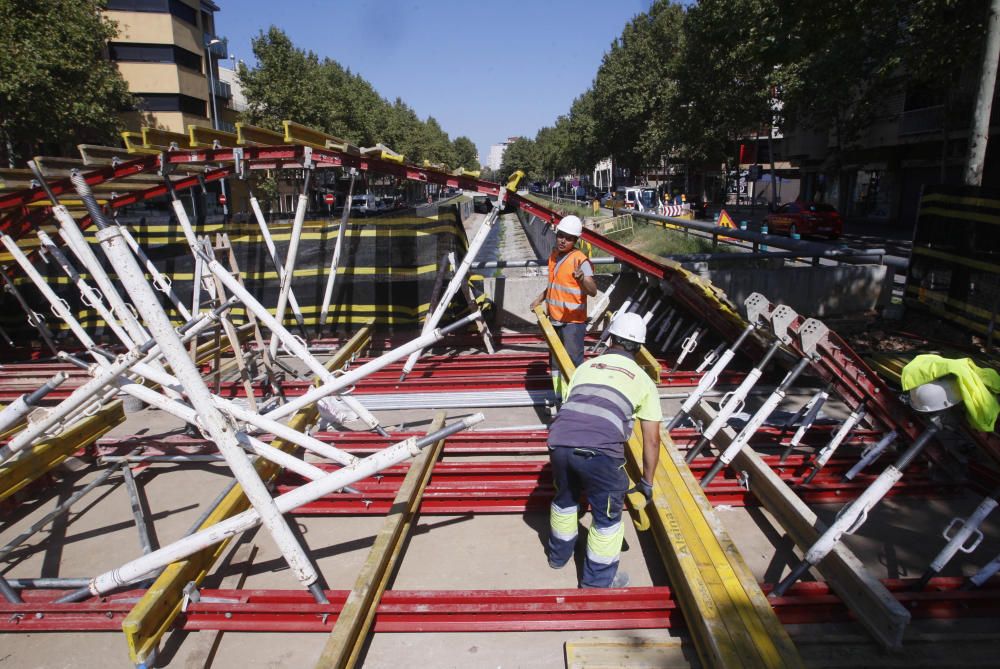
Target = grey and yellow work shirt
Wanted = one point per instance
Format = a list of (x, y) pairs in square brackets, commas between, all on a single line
[(605, 396)]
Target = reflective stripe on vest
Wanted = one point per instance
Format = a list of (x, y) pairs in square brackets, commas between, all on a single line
[(600, 412), (564, 298)]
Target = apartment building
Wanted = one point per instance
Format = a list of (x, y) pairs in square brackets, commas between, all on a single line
[(169, 53)]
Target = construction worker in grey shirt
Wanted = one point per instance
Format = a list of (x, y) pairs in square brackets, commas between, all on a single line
[(587, 451)]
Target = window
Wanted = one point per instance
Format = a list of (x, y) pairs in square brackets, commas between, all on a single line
[(176, 8), (154, 53), (165, 102)]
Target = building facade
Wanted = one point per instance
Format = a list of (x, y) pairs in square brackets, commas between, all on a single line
[(168, 53), (497, 151)]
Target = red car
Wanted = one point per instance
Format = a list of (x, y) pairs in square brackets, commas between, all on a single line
[(806, 218)]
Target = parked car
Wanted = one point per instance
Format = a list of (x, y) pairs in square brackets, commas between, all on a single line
[(806, 218), (365, 205)]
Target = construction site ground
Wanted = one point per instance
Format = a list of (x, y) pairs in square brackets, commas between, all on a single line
[(497, 551)]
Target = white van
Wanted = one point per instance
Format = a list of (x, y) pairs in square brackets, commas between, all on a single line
[(640, 199), (364, 205)]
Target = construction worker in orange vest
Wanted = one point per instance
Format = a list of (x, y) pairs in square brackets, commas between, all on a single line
[(571, 280)]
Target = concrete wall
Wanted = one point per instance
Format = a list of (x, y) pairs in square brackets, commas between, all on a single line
[(811, 291), (820, 292)]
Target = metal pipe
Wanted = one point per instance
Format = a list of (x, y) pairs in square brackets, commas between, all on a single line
[(338, 245), (455, 284), (290, 258), (869, 455), (138, 513), (35, 319), (285, 503), (958, 532), (9, 593), (279, 266), (351, 377), (812, 412), (47, 583), (733, 402), (755, 422), (88, 295), (709, 379), (142, 294), (22, 406), (160, 280), (854, 515), (835, 441)]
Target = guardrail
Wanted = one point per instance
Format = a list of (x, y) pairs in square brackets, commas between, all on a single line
[(797, 248)]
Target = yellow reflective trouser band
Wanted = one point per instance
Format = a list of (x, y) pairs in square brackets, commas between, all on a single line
[(563, 522), (604, 544), (557, 383)]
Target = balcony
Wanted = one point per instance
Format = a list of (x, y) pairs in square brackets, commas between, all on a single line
[(919, 121)]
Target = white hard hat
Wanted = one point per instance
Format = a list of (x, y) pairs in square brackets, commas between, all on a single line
[(936, 395), (571, 225), (629, 326)]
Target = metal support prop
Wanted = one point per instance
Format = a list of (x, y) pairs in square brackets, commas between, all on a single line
[(292, 344), (154, 614), (462, 272), (870, 455), (813, 408), (97, 387), (866, 597), (221, 431), (853, 516), (831, 447), (958, 535), (710, 358), (986, 573), (688, 346), (20, 407), (35, 319), (732, 403), (291, 256), (762, 414), (138, 509), (711, 377), (391, 455), (601, 304), (337, 248), (279, 265)]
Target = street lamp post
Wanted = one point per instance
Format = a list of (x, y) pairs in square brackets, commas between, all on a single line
[(215, 115)]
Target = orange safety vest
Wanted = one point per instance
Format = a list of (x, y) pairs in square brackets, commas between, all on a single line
[(565, 299)]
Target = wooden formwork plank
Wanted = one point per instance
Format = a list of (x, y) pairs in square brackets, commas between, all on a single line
[(154, 614), (864, 595), (729, 617), (632, 653), (18, 472), (355, 618)]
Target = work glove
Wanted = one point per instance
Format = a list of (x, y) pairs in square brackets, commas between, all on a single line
[(646, 488)]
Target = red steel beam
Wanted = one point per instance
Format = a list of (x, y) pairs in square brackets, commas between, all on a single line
[(480, 610)]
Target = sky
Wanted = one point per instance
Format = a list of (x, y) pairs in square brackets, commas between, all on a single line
[(486, 70)]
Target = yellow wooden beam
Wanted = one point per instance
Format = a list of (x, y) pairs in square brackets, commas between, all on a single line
[(154, 614), (729, 617), (15, 474), (354, 620), (164, 140), (296, 133), (199, 136), (135, 144), (251, 134)]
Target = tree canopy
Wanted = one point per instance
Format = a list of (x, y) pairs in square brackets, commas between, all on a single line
[(57, 86), (685, 81)]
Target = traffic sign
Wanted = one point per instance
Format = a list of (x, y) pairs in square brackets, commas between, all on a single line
[(330, 198), (222, 199)]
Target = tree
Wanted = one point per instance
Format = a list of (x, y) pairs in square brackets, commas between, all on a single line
[(57, 86), (288, 83), (465, 153), (521, 154)]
